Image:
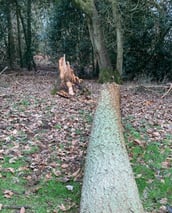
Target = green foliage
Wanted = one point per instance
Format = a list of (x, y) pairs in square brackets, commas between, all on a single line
[(58, 126), (68, 34), (54, 91), (147, 40), (147, 37), (59, 27), (86, 116)]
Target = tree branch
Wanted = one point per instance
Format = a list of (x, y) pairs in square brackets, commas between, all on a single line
[(166, 93), (3, 70)]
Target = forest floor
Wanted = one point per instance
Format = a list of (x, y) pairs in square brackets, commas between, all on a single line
[(43, 141)]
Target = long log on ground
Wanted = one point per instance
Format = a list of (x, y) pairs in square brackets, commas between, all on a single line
[(108, 185)]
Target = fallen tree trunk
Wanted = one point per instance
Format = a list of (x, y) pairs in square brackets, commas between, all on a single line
[(108, 185)]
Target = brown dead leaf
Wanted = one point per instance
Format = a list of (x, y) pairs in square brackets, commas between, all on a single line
[(48, 176), (8, 193), (139, 142), (32, 190), (162, 209), (12, 160), (64, 166), (22, 210), (139, 176), (12, 170), (148, 102), (64, 208), (165, 164), (2, 151), (163, 201), (1, 206), (23, 168), (56, 172), (156, 134)]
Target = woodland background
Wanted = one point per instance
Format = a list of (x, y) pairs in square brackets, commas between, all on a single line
[(44, 137), (53, 28)]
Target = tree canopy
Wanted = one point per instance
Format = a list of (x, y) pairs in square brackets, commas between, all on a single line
[(101, 38)]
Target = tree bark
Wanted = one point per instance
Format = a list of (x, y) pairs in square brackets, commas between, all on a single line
[(19, 34), (108, 185), (96, 36), (97, 40), (29, 56), (119, 35), (11, 46)]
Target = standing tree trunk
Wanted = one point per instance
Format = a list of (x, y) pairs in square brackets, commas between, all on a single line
[(97, 40), (28, 61), (109, 185), (119, 35), (19, 33), (106, 72), (11, 46), (29, 37)]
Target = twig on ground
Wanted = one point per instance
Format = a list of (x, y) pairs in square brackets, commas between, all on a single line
[(15, 207), (3, 70), (166, 93)]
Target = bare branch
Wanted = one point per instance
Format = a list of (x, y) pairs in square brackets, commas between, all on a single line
[(3, 70), (135, 8), (166, 93)]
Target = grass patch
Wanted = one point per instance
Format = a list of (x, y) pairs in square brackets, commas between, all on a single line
[(28, 147), (86, 116), (151, 166), (45, 196), (49, 196)]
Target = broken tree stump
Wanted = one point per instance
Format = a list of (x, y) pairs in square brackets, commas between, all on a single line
[(67, 77)]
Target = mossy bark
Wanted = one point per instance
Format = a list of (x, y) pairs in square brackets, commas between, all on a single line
[(109, 185), (97, 39), (109, 76), (119, 34)]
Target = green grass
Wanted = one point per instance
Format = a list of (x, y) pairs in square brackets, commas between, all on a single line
[(86, 116), (58, 126), (51, 195), (153, 180), (47, 196)]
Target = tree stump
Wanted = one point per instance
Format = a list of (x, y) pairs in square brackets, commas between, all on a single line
[(108, 185), (67, 76)]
